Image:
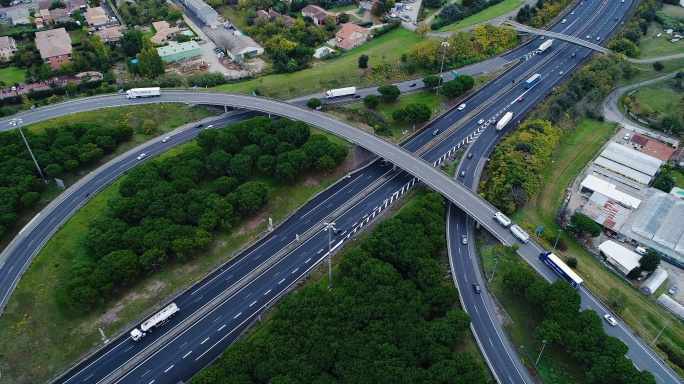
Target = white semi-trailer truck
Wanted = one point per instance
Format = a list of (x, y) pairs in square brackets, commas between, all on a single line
[(157, 320), (134, 93), (339, 92), (519, 233), (545, 45), (502, 219), (504, 120)]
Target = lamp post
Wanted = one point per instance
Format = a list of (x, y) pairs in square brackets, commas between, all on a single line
[(556, 243), (445, 44), (540, 353), (661, 331), (330, 227), (496, 260), (17, 123)]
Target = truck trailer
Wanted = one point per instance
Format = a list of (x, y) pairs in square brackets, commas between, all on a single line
[(532, 81), (339, 92), (519, 233), (561, 268), (502, 219), (134, 93), (504, 120), (157, 320), (545, 45)]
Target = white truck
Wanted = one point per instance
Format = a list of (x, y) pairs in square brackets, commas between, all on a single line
[(157, 320), (519, 233), (545, 45), (504, 120), (134, 93), (502, 219), (339, 92)]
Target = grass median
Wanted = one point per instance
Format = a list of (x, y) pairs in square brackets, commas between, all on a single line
[(485, 15)]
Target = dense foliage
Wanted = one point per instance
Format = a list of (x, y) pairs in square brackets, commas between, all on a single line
[(580, 333), (57, 150), (141, 12), (542, 13), (583, 224), (389, 319), (517, 163), (169, 208), (457, 86), (452, 12), (464, 47)]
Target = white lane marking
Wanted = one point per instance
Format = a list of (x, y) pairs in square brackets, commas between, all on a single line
[(205, 340), (129, 348), (307, 260), (238, 315), (169, 368), (267, 292), (253, 303), (182, 345), (216, 319), (89, 377), (186, 355), (219, 330), (281, 281), (148, 371), (295, 271)]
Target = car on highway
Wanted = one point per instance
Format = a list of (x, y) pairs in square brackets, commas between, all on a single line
[(563, 22), (200, 125), (167, 138), (435, 132), (356, 97), (476, 288), (598, 38), (209, 127), (573, 54), (480, 122), (560, 73), (461, 107), (610, 320), (572, 13), (492, 120), (521, 98), (462, 173), (470, 155), (673, 289), (412, 85), (588, 36), (141, 156), (616, 19), (464, 239)]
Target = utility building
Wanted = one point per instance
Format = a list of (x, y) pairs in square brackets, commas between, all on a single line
[(171, 53), (618, 256), (203, 11)]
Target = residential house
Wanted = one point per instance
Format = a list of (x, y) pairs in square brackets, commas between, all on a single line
[(317, 14), (240, 46), (60, 15), (76, 5), (39, 22), (54, 46), (351, 36), (261, 14), (164, 32), (8, 47), (96, 17), (45, 15), (110, 35)]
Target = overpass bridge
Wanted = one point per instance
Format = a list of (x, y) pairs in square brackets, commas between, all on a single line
[(570, 39)]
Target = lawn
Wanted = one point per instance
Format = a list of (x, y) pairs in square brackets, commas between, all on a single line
[(678, 175), (488, 14), (647, 72), (12, 75), (653, 46), (676, 11), (661, 97), (640, 312), (343, 8), (233, 16), (339, 72), (39, 340)]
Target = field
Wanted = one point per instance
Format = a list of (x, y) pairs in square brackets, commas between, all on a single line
[(338, 72), (488, 14), (39, 339), (661, 97), (646, 71), (639, 312), (674, 10), (12, 75), (653, 46)]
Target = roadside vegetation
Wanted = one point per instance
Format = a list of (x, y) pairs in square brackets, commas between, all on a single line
[(660, 104), (390, 308), (492, 11), (55, 337)]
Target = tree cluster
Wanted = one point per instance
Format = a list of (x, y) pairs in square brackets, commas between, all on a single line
[(457, 86), (57, 150), (650, 261), (452, 12), (543, 12), (517, 163), (580, 333), (389, 319), (169, 208), (414, 112), (141, 12), (464, 47), (583, 224)]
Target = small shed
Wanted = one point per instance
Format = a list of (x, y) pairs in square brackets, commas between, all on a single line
[(656, 279), (619, 256), (171, 53)]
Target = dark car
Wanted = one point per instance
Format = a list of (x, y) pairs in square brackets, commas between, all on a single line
[(412, 85), (470, 155), (476, 287), (357, 96), (200, 125)]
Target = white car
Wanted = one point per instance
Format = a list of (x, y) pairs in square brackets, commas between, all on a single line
[(408, 8), (464, 239), (142, 156), (167, 138), (480, 122), (461, 107), (610, 320)]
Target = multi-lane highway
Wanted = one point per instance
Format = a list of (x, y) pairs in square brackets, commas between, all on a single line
[(229, 320)]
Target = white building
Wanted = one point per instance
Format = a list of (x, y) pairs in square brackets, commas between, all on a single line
[(618, 256), (240, 46), (654, 281), (203, 11), (628, 163)]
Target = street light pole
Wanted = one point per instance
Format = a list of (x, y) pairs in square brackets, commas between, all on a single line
[(17, 122), (556, 243), (496, 260), (329, 227), (540, 353), (661, 331), (445, 44)]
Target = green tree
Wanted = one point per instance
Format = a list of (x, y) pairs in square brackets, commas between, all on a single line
[(452, 89), (343, 18), (583, 224), (431, 81), (634, 273), (149, 126), (399, 115), (363, 61), (518, 279), (650, 261), (371, 101), (665, 182), (418, 112), (572, 262), (313, 103), (389, 92), (150, 64), (658, 66)]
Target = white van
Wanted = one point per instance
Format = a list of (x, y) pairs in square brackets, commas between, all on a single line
[(641, 250)]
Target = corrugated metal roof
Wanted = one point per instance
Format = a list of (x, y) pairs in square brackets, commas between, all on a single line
[(620, 256), (607, 189), (624, 170)]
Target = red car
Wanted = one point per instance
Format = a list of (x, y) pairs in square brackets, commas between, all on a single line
[(521, 99)]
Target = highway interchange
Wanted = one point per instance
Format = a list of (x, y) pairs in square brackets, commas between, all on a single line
[(194, 347)]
